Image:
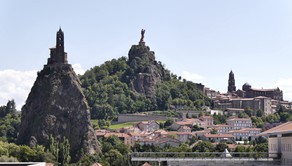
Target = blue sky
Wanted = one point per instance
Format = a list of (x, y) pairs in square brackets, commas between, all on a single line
[(198, 40)]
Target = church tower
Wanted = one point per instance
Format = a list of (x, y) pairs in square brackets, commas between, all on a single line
[(58, 54), (231, 83)]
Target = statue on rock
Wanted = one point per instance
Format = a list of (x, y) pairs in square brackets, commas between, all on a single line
[(142, 38), (57, 107), (149, 72)]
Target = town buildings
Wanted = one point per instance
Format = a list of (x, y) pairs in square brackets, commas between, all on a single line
[(218, 137), (148, 132), (239, 123), (280, 142), (235, 101)]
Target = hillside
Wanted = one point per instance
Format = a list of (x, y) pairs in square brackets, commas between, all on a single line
[(136, 84)]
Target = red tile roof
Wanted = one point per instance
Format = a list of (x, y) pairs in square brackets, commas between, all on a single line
[(120, 135), (281, 129), (218, 135)]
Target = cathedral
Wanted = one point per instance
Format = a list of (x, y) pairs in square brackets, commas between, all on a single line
[(249, 92)]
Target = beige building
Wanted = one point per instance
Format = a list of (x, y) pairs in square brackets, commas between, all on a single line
[(148, 126), (218, 137), (223, 128), (207, 119), (280, 142), (239, 123), (187, 122)]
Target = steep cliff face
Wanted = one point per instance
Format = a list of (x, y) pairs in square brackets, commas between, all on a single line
[(56, 106), (148, 72)]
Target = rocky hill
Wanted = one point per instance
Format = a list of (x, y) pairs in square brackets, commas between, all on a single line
[(136, 83), (57, 107), (146, 71)]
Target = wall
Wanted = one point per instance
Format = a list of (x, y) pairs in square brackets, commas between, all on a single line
[(286, 149), (136, 118)]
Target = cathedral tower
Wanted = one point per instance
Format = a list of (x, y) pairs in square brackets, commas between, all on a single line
[(231, 83)]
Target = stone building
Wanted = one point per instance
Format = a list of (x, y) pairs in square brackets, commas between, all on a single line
[(58, 54), (237, 105), (250, 92), (148, 126)]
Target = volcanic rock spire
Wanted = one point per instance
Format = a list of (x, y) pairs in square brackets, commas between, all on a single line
[(56, 106)]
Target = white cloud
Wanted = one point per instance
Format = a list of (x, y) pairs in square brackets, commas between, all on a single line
[(16, 85), (78, 69), (192, 76), (285, 84)]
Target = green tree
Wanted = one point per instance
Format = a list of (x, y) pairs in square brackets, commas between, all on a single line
[(220, 147), (168, 122), (60, 151), (64, 154), (197, 128), (115, 158), (204, 146)]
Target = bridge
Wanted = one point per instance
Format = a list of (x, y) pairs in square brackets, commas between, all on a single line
[(207, 158)]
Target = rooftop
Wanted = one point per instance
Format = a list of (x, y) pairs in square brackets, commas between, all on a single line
[(218, 135), (239, 119), (281, 129)]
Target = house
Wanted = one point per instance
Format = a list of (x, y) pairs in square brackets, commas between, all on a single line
[(201, 133), (146, 141), (187, 122), (245, 133), (148, 126), (280, 142), (207, 119), (215, 112), (137, 136), (234, 111), (218, 137), (239, 123), (160, 133), (127, 139), (253, 131), (182, 136), (184, 129), (100, 133), (223, 128), (133, 129), (166, 141), (240, 134)]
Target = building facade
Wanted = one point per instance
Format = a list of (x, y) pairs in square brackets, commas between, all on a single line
[(239, 123), (280, 142), (250, 92)]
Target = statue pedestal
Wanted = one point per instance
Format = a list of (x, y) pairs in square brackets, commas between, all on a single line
[(141, 43)]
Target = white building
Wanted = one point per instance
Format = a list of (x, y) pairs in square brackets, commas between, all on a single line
[(280, 142), (240, 123)]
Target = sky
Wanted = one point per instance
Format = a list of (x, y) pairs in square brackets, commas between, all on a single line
[(198, 40)]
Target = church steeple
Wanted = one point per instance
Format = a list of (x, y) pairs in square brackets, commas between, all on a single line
[(231, 83), (60, 39), (58, 54)]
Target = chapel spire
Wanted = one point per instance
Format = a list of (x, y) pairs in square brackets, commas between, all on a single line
[(58, 54)]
